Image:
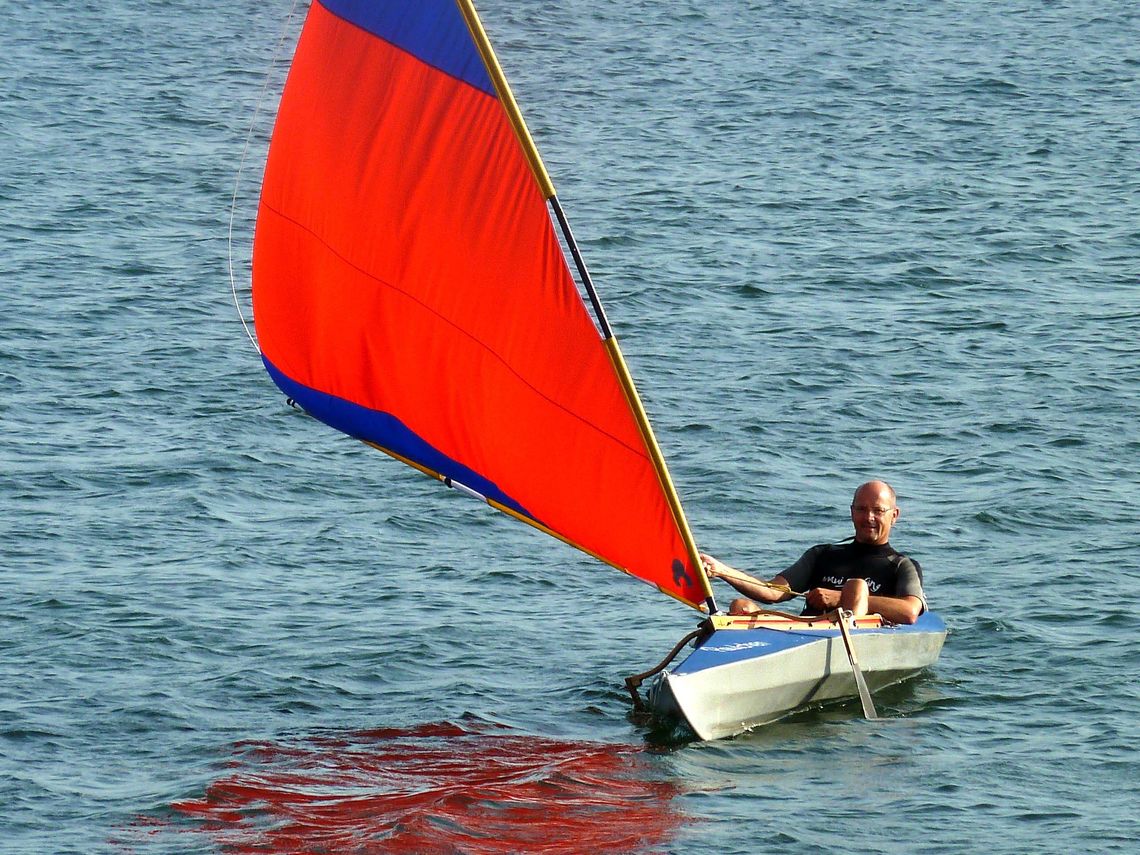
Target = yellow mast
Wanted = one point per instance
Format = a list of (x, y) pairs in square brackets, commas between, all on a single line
[(467, 7)]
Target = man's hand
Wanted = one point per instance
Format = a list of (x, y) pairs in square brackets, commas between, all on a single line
[(716, 569), (823, 599)]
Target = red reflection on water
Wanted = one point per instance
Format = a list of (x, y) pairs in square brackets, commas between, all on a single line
[(438, 788)]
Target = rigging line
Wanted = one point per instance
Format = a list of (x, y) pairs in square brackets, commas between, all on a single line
[(786, 589), (740, 576), (752, 580), (285, 28)]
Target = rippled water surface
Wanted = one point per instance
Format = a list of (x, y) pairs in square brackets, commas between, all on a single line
[(837, 239)]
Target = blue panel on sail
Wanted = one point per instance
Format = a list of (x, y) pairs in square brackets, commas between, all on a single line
[(432, 30), (388, 432)]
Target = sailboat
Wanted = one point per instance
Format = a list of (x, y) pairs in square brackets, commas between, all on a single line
[(417, 286)]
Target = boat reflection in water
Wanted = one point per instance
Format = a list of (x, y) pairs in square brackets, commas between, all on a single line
[(435, 788)]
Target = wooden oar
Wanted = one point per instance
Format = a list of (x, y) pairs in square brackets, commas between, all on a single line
[(860, 683)]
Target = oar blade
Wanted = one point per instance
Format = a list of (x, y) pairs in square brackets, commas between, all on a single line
[(869, 711)]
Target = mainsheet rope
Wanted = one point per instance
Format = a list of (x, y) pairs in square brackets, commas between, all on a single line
[(752, 580), (285, 28)]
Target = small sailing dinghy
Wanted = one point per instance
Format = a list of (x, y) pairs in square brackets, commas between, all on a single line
[(752, 670), (416, 285)]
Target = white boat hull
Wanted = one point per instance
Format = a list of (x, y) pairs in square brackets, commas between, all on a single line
[(740, 678)]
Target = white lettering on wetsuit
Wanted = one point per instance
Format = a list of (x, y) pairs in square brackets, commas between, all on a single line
[(837, 582)]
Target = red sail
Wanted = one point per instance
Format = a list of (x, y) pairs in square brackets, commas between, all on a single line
[(410, 290)]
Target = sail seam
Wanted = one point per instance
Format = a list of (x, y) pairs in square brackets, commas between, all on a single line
[(486, 347)]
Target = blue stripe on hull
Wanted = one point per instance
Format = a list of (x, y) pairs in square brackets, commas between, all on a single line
[(737, 645)]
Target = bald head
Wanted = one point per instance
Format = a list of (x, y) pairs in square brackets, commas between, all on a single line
[(873, 512), (876, 488)]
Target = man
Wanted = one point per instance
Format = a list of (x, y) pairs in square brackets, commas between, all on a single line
[(865, 576)]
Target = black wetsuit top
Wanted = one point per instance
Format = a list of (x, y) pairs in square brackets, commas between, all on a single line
[(888, 572)]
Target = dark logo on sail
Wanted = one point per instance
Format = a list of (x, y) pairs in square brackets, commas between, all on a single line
[(680, 573)]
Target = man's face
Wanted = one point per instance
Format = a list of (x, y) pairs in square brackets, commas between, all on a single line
[(873, 513)]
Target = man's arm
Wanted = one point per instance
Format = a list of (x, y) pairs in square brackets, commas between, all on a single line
[(909, 600), (896, 609), (773, 591), (905, 609)]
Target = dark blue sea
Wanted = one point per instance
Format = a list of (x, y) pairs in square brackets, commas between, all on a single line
[(837, 239)]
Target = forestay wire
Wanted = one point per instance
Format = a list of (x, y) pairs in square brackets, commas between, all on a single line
[(285, 29)]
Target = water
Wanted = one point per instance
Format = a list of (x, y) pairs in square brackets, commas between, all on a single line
[(837, 240)]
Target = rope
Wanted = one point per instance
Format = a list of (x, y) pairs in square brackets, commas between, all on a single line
[(632, 683), (787, 589), (752, 580), (785, 615), (241, 166)]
